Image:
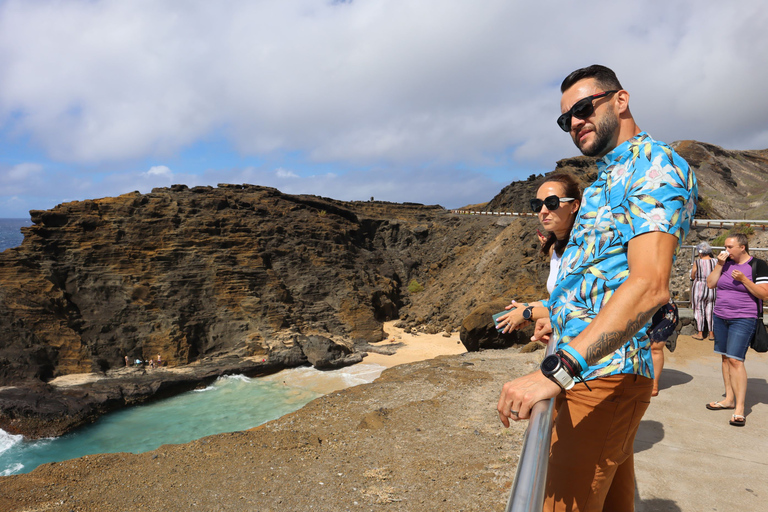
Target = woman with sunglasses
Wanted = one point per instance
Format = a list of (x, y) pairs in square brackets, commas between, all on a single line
[(557, 204)]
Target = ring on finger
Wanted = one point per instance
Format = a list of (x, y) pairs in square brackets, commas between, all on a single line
[(513, 412)]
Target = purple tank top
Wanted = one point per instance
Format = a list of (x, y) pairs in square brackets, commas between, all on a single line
[(733, 300)]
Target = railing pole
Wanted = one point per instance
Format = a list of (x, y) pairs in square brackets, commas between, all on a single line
[(527, 493)]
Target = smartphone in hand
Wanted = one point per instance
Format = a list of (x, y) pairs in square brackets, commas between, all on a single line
[(495, 320)]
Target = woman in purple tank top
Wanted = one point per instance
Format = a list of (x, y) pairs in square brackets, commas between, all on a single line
[(739, 295)]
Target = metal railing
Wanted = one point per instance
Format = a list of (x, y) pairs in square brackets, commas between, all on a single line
[(527, 493), (708, 223)]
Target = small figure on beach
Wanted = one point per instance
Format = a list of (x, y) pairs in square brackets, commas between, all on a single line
[(127, 364), (702, 296), (151, 364), (159, 361), (742, 284), (634, 215)]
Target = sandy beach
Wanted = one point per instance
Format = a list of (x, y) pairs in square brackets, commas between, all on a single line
[(408, 347), (414, 347)]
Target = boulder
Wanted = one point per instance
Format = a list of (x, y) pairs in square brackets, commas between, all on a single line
[(479, 332), (324, 353)]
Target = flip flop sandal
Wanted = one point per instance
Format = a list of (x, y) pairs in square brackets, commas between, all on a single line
[(717, 406), (738, 421)]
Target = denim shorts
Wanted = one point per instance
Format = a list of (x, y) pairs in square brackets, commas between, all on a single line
[(732, 336)]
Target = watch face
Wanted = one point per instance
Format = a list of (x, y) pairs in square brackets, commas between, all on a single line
[(550, 363), (527, 313)]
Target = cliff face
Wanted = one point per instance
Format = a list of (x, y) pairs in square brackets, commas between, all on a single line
[(203, 272)]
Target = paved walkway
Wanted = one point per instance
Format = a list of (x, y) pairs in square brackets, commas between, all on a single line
[(688, 458)]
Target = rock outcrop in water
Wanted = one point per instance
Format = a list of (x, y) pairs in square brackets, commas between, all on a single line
[(205, 274)]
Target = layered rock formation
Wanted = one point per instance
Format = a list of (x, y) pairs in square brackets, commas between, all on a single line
[(194, 273)]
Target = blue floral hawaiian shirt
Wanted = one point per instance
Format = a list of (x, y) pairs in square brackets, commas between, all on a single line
[(642, 186)]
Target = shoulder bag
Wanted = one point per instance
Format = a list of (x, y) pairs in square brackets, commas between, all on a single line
[(760, 339)]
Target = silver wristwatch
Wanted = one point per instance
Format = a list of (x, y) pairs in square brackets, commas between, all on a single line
[(552, 368)]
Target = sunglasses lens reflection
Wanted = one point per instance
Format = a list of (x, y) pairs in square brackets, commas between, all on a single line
[(581, 110), (552, 203)]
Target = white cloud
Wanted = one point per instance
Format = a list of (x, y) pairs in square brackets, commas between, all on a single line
[(285, 173), (405, 81), (161, 171), (374, 84)]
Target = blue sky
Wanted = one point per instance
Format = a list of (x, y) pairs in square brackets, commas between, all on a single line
[(431, 101)]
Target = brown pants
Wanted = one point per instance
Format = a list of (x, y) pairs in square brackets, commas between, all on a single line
[(591, 463)]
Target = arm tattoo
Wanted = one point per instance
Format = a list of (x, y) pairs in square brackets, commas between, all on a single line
[(608, 342)]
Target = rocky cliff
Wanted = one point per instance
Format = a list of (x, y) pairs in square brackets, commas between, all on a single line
[(194, 273), (206, 274)]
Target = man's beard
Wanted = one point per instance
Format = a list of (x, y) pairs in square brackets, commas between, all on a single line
[(604, 131)]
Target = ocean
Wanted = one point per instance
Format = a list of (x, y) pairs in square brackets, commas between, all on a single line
[(10, 236), (232, 403)]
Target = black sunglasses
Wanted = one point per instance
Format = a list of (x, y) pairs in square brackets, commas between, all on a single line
[(582, 109), (552, 203)]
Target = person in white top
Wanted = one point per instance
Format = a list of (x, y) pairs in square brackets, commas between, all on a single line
[(557, 205)]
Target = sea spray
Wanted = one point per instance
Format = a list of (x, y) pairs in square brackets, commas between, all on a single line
[(8, 440), (231, 403)]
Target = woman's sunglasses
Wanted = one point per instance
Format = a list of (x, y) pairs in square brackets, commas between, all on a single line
[(552, 203), (582, 109)]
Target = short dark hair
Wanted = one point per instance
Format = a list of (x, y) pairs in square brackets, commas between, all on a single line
[(605, 78)]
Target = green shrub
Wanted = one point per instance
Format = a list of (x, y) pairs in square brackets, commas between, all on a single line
[(738, 228), (703, 207), (720, 240), (744, 229), (415, 287)]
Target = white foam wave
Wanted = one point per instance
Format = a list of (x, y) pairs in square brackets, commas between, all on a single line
[(241, 378), (324, 382), (12, 470), (222, 381), (361, 373), (8, 440)]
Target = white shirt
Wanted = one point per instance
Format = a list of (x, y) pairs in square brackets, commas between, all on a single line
[(554, 267)]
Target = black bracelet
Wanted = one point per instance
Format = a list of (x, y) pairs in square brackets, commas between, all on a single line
[(567, 365), (573, 365)]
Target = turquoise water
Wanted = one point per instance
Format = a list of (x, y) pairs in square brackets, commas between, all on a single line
[(232, 403)]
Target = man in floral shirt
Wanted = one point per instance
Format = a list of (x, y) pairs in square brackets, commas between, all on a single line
[(613, 277)]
